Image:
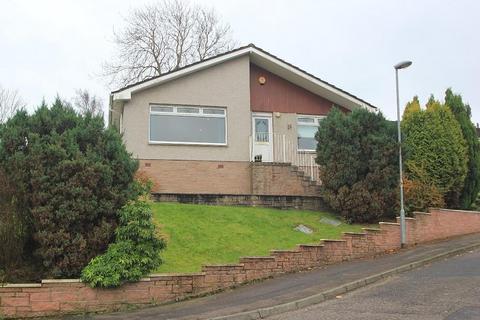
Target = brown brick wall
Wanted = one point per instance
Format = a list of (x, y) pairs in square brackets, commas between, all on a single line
[(281, 179), (185, 176), (267, 201), (56, 297), (227, 177)]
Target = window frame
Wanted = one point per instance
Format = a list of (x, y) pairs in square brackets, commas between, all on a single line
[(185, 114), (315, 123)]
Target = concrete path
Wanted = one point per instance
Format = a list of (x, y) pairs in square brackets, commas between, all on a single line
[(289, 287), (447, 289)]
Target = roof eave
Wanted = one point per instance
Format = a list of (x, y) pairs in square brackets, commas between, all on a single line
[(307, 81), (126, 94), (264, 60)]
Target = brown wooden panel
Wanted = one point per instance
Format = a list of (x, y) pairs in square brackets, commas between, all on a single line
[(280, 95)]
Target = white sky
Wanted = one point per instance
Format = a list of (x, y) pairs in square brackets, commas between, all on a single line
[(49, 47)]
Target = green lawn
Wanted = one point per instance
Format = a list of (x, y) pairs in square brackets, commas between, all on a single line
[(198, 234)]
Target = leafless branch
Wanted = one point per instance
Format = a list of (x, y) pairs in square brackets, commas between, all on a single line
[(10, 103), (85, 102), (165, 36)]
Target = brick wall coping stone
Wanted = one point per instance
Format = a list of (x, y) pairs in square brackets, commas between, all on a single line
[(284, 251), (454, 210), (159, 275), (55, 297), (223, 265), (415, 213), (20, 285), (61, 281)]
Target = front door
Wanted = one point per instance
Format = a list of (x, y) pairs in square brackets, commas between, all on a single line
[(262, 137)]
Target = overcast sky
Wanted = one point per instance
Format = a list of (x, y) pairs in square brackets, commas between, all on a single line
[(50, 47)]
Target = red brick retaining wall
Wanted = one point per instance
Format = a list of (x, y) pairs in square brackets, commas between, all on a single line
[(281, 179), (54, 297)]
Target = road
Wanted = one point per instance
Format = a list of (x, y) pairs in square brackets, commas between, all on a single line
[(448, 289)]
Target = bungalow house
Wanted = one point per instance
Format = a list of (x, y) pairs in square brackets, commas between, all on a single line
[(239, 123)]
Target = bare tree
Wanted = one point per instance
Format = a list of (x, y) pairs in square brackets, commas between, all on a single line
[(10, 103), (85, 102), (165, 36)]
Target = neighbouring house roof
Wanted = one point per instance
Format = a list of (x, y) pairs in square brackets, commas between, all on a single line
[(478, 131), (263, 59)]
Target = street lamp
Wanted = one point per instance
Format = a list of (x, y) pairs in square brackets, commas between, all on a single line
[(398, 66)]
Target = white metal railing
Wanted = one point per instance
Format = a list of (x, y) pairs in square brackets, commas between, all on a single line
[(263, 137), (284, 150)]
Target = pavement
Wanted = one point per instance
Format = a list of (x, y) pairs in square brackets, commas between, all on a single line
[(447, 289), (271, 294)]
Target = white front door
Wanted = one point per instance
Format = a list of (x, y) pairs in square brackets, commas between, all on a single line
[(262, 137)]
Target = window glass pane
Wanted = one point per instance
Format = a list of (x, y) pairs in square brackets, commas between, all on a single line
[(213, 111), (162, 109), (307, 131), (174, 128), (306, 137), (187, 110), (261, 130)]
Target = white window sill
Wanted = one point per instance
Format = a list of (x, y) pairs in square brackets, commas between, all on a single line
[(205, 144)]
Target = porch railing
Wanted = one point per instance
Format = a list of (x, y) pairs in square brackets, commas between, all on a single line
[(285, 150)]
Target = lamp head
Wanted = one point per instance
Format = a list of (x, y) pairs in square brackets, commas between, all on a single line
[(403, 65)]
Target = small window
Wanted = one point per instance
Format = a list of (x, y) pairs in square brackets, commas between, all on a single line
[(306, 120), (162, 109), (213, 111), (261, 130), (188, 125), (187, 110), (307, 127)]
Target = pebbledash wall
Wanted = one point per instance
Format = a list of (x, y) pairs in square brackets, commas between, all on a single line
[(55, 297)]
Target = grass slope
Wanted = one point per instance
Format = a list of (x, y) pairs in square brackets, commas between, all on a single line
[(199, 235)]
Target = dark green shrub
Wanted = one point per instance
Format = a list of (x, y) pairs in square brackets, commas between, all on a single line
[(435, 150), (135, 252), (71, 176), (357, 153), (462, 113), (13, 228)]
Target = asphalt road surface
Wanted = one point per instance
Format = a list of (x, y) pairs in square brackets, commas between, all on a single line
[(448, 289)]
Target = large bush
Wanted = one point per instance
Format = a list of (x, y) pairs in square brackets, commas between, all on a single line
[(134, 253), (435, 150), (357, 153), (462, 113), (71, 176)]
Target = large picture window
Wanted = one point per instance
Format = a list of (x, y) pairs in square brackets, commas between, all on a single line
[(188, 125), (307, 127)]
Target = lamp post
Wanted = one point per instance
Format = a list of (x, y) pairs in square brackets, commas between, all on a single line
[(398, 66)]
